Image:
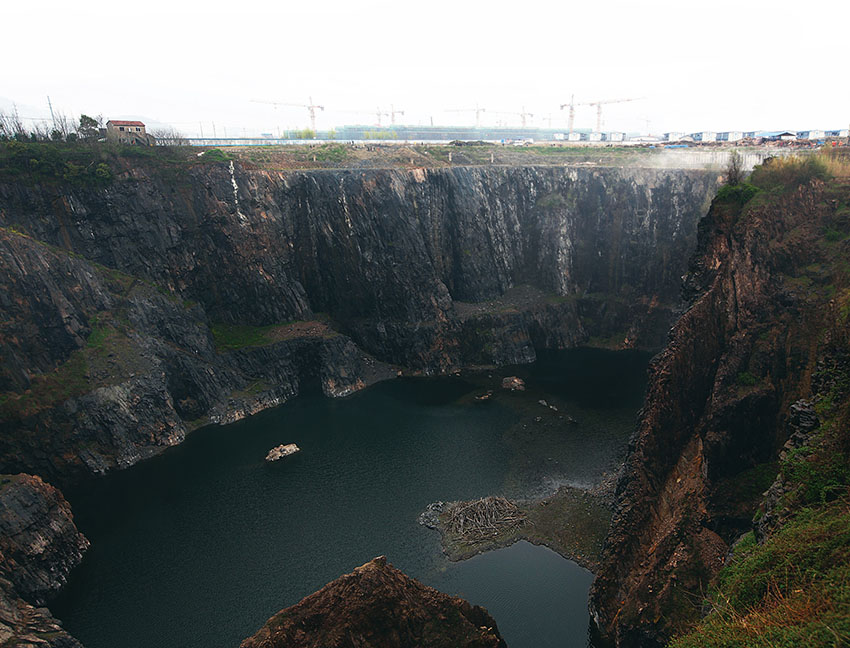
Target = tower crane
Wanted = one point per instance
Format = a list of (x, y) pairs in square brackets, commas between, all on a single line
[(599, 104), (523, 115), (572, 106), (311, 108), (476, 110), (393, 113)]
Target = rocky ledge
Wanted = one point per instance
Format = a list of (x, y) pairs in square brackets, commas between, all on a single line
[(378, 606), (39, 545)]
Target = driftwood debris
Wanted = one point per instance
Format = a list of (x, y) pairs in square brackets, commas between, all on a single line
[(482, 518)]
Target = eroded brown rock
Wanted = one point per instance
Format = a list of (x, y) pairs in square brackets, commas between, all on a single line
[(378, 606)]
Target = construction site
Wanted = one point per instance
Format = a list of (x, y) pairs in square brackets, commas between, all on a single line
[(518, 127)]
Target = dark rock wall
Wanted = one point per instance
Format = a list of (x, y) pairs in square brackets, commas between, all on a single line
[(389, 247)]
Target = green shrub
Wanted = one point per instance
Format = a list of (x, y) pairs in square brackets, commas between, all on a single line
[(832, 235), (740, 194), (746, 379), (819, 477)]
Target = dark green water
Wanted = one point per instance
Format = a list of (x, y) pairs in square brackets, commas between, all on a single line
[(198, 547)]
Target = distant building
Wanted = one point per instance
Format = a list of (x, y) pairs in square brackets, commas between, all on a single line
[(811, 134), (595, 137), (774, 136), (704, 136), (574, 137), (730, 136), (673, 137), (838, 133), (615, 137), (127, 132)]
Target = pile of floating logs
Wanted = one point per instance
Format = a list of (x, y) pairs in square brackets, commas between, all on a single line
[(482, 518)]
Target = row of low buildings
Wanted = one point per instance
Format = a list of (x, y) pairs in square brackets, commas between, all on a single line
[(771, 136), (710, 136), (707, 136)]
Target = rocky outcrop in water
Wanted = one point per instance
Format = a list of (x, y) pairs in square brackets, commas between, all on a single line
[(720, 406), (378, 606), (39, 545)]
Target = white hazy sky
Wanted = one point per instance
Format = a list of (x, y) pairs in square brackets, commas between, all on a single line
[(721, 65)]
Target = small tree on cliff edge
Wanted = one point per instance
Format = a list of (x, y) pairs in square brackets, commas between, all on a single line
[(734, 170), (89, 128)]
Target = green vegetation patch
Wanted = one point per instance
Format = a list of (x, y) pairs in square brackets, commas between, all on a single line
[(746, 379), (787, 173), (552, 201), (229, 337), (75, 164), (739, 194), (215, 155), (108, 355), (794, 590)]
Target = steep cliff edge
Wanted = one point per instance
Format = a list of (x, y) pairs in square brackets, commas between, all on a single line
[(134, 310), (39, 545), (768, 309), (386, 253), (378, 606)]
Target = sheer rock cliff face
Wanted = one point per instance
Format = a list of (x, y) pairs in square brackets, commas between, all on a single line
[(378, 606), (108, 296), (39, 545), (718, 404)]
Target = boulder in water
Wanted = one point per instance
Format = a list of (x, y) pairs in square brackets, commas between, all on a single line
[(514, 383), (282, 451)]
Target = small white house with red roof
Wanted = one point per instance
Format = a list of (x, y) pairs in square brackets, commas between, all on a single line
[(127, 132)]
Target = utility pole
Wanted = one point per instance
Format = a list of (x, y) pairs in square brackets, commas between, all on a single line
[(52, 118)]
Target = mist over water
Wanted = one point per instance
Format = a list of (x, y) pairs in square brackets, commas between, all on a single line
[(199, 546)]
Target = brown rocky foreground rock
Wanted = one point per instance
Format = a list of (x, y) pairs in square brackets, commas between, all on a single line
[(378, 606)]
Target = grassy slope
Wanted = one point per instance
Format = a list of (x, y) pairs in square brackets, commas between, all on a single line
[(793, 589)]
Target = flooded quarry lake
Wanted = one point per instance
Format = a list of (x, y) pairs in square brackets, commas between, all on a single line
[(199, 546)]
